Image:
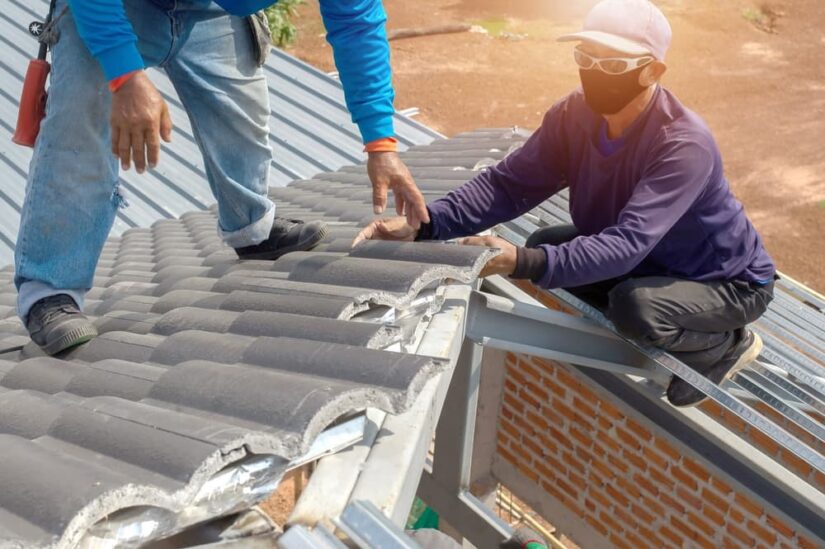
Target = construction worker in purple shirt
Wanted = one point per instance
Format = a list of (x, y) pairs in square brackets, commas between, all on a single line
[(103, 113), (658, 240)]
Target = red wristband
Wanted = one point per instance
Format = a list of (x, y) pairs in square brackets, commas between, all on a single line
[(116, 83), (385, 144)]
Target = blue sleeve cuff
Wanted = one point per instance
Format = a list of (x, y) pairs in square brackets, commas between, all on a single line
[(376, 127), (120, 59)]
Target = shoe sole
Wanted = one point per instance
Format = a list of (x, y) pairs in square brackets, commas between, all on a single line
[(750, 354), (304, 246), (76, 337)]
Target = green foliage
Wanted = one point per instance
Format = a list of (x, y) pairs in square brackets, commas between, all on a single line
[(280, 17)]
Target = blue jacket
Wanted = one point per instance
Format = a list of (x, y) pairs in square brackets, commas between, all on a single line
[(659, 205), (355, 29)]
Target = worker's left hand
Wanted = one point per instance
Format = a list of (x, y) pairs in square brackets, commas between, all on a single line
[(388, 171), (502, 264)]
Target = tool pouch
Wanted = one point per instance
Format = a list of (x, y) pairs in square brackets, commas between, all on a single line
[(32, 103), (261, 37)]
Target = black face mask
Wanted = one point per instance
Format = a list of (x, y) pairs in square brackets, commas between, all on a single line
[(610, 93)]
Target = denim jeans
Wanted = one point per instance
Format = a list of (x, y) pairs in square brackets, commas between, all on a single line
[(72, 190)]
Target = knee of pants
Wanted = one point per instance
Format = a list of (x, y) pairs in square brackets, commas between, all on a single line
[(632, 311)]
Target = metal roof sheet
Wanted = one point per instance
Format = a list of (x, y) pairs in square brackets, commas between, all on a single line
[(310, 132)]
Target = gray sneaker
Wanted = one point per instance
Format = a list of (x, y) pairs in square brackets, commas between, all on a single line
[(56, 324), (287, 235), (745, 350)]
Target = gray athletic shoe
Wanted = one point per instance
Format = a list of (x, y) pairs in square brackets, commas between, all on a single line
[(287, 235), (56, 324), (745, 350)]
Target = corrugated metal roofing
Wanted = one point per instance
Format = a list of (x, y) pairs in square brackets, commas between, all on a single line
[(311, 132), (205, 362)]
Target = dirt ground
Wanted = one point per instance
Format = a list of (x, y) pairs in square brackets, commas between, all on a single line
[(754, 72)]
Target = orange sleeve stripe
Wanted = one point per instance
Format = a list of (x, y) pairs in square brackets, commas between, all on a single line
[(116, 83), (385, 144)]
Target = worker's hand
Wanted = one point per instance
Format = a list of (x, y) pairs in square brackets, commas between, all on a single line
[(389, 228), (387, 170), (502, 264), (139, 119)]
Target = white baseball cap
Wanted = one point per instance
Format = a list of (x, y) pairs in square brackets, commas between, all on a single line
[(634, 27)]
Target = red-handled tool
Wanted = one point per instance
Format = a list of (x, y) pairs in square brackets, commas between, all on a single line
[(33, 99)]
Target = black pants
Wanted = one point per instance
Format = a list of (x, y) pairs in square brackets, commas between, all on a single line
[(694, 321)]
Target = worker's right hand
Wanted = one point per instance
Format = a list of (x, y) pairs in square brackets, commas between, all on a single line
[(139, 119), (388, 228)]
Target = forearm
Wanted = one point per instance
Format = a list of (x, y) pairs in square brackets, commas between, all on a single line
[(356, 32), (107, 33)]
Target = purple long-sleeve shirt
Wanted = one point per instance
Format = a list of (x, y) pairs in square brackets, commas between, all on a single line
[(658, 206)]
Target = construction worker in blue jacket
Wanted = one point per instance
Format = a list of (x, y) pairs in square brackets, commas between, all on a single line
[(104, 113)]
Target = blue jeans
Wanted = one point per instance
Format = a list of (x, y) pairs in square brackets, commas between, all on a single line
[(72, 190)]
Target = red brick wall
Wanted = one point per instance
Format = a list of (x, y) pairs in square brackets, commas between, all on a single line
[(610, 469)]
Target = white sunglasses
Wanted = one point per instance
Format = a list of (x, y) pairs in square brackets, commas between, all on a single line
[(610, 65)]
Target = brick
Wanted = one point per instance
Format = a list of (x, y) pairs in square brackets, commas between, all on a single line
[(607, 440), (761, 532), (666, 448), (819, 480), (567, 379), (629, 488), (562, 439), (598, 451), (641, 514), (598, 526), (506, 412), (779, 526), (531, 445), (686, 530), (565, 487), (763, 441), (580, 437), (619, 542), (521, 423), (713, 515), (603, 424), (736, 515), (689, 498), (599, 497), (584, 455), (648, 535), (696, 469), (529, 399), (748, 505), (584, 408), (644, 483), (734, 423), (514, 374), (722, 487), (588, 395), (797, 464), (635, 541), (549, 445), (700, 524), (634, 459), (538, 422), (638, 430), (537, 392), (552, 491), (529, 370), (628, 439), (573, 463), (714, 499), (603, 469), (568, 412), (668, 533), (662, 479), (553, 387), (730, 543), (511, 401), (671, 503), (739, 534), (627, 520), (711, 408), (506, 455), (580, 483), (611, 524), (609, 410), (683, 478), (654, 457), (522, 454), (589, 505), (509, 428), (653, 505), (805, 543), (510, 386), (617, 496), (528, 472), (552, 417), (549, 467)]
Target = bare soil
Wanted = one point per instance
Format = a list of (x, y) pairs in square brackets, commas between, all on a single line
[(754, 71)]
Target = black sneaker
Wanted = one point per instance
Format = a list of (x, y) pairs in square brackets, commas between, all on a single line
[(744, 351), (287, 235), (56, 324)]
